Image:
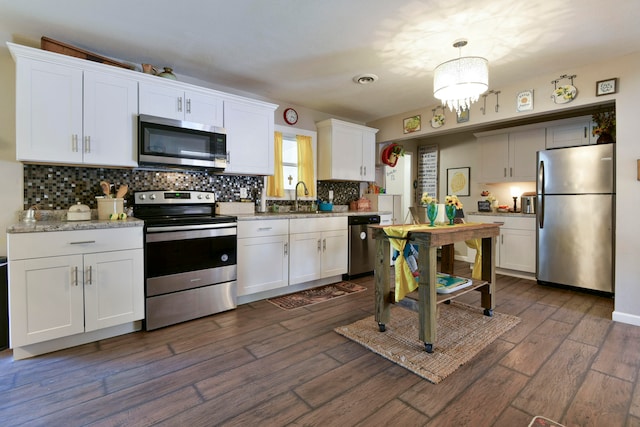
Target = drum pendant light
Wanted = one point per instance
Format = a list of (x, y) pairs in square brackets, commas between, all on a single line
[(459, 82)]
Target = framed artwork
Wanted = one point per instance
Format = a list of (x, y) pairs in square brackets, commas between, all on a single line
[(458, 181), (607, 87), (524, 100), (463, 117), (411, 124)]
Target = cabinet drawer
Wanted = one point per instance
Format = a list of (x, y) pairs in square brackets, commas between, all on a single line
[(517, 223), (56, 243), (311, 225), (261, 228)]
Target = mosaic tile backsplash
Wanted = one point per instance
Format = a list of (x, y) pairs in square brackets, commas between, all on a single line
[(58, 187)]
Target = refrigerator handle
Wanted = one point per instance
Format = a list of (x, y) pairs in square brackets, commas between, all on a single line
[(541, 193)]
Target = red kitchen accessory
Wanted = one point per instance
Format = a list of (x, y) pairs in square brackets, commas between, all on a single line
[(391, 153)]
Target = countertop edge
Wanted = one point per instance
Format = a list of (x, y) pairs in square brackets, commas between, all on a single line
[(514, 214), (291, 215), (48, 226)]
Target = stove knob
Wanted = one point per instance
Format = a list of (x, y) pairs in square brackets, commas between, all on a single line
[(143, 196), (152, 197), (199, 196), (208, 196)]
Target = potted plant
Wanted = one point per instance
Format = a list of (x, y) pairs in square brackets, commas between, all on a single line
[(605, 128)]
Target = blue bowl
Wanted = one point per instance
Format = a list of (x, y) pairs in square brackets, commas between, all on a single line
[(325, 207)]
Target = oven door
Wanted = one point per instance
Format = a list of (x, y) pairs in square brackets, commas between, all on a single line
[(186, 257)]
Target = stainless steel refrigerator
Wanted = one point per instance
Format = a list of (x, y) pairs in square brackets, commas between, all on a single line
[(575, 215)]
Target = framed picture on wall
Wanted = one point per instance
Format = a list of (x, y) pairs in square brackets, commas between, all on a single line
[(463, 116), (458, 181)]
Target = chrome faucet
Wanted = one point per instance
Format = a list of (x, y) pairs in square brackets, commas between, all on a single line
[(306, 192)]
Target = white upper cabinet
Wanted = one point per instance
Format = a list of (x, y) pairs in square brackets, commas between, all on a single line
[(171, 100), (570, 132), (70, 115), (346, 151), (249, 126), (510, 156)]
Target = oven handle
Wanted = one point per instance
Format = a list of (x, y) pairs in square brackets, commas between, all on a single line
[(191, 227), (190, 234)]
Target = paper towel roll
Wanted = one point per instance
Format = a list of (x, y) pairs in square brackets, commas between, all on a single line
[(442, 214)]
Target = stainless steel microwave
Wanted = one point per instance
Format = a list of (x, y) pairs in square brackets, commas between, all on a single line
[(178, 143)]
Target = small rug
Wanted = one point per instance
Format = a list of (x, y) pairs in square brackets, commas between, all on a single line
[(316, 295), (462, 332), (543, 422)]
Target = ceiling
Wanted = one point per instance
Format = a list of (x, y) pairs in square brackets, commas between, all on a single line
[(306, 52)]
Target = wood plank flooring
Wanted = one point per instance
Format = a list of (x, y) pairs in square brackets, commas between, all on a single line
[(261, 365)]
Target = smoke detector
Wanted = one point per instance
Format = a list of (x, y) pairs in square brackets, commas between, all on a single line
[(365, 79)]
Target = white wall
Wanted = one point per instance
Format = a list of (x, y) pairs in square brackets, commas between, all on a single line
[(627, 268)]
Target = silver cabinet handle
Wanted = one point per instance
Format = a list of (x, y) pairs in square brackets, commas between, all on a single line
[(180, 103), (264, 228), (365, 171), (90, 274), (228, 156), (75, 275), (286, 249), (505, 172), (87, 144), (318, 245), (82, 242), (189, 106), (511, 172), (324, 245), (74, 143)]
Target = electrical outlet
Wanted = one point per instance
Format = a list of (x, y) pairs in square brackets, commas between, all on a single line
[(331, 194), (243, 193)]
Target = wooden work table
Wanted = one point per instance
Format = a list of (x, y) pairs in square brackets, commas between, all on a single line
[(428, 239)]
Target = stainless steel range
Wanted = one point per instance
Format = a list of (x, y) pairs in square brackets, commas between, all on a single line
[(190, 256)]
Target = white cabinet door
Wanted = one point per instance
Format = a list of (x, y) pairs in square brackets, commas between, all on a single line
[(161, 101), (263, 263), (346, 151), (570, 133), (165, 99), (305, 258), (523, 146), (46, 297), (112, 291), (334, 253), (518, 250), (368, 156), (110, 120), (204, 108), (48, 112), (494, 157), (249, 130)]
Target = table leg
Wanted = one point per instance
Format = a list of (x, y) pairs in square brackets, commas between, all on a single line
[(427, 299), (489, 275), (382, 283)]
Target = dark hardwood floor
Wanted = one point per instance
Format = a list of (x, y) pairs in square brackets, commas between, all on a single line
[(261, 365)]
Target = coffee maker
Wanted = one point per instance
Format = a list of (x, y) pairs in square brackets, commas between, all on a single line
[(528, 203)]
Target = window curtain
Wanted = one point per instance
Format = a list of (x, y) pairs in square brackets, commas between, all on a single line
[(275, 183), (305, 165)]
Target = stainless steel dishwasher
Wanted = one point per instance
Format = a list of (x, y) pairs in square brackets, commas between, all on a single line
[(362, 245)]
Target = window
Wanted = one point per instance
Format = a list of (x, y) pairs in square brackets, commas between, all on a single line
[(288, 170)]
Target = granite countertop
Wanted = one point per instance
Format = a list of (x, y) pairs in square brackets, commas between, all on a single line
[(57, 221), (516, 214), (291, 215)]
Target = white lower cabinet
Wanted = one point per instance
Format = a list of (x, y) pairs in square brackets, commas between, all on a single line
[(72, 282), (319, 248), (263, 255), (516, 245)]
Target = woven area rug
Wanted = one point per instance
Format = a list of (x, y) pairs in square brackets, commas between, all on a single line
[(462, 332), (316, 295)]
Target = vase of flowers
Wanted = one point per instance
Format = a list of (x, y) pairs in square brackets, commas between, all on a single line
[(452, 204), (605, 128), (431, 205)]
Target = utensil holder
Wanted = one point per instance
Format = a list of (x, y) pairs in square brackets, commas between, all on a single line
[(108, 206)]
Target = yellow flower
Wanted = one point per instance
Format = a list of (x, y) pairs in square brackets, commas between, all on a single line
[(453, 200), (427, 199)]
